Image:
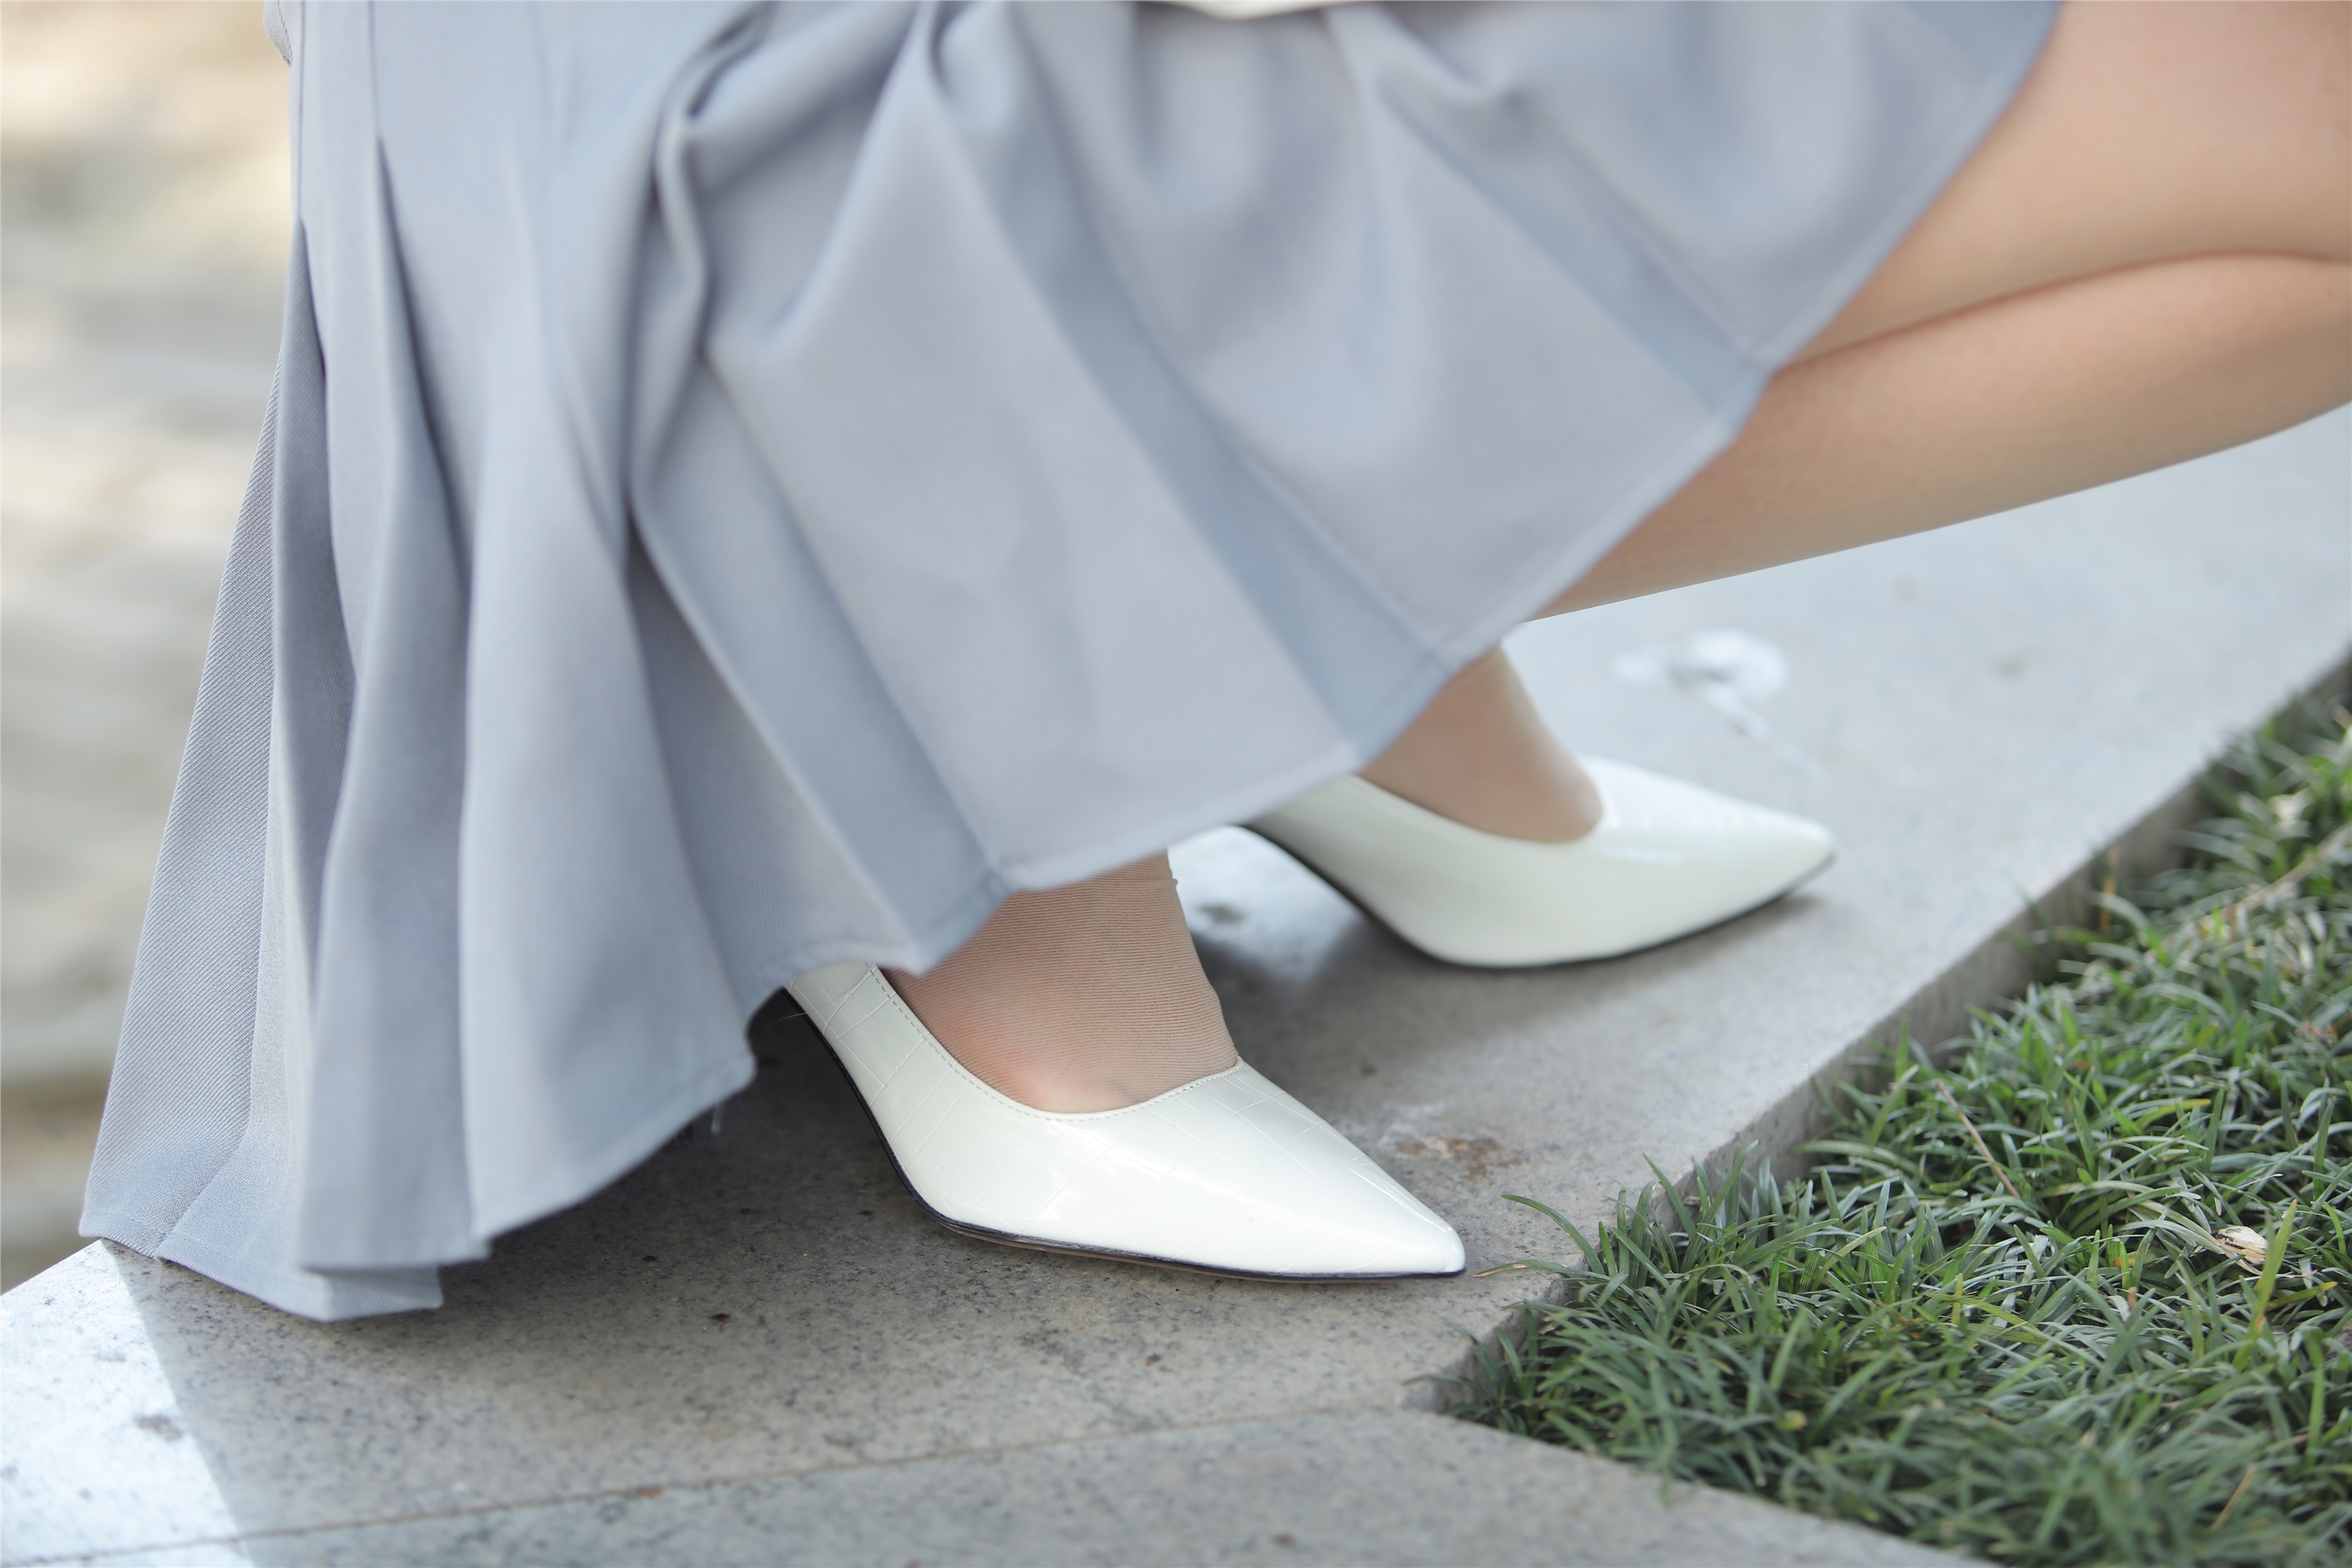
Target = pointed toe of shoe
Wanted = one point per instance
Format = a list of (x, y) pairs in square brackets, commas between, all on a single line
[(1712, 856), (1266, 1186), (1227, 1173), (1783, 854)]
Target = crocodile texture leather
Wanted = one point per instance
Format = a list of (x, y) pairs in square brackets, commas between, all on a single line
[(1666, 858), (1226, 1174)]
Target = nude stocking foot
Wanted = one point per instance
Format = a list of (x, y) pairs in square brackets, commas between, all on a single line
[(1088, 998), (1481, 755)]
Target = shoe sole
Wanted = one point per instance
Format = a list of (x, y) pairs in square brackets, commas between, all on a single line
[(1067, 1249), (1374, 916)]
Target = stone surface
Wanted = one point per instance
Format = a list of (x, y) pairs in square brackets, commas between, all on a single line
[(98, 1457), (1976, 713), (1350, 1487)]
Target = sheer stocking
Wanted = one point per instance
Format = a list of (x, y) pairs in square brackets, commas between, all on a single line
[(1087, 997), (1481, 754)]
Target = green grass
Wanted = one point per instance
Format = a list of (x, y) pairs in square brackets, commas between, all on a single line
[(1994, 1317)]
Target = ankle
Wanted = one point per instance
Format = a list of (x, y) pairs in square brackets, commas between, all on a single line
[(1479, 754)]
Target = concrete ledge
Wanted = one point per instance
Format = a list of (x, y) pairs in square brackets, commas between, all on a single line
[(1343, 1488)]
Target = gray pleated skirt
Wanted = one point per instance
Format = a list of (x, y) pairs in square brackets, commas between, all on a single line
[(748, 487)]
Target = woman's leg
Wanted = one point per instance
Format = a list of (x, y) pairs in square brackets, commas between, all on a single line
[(2015, 401), (2149, 259)]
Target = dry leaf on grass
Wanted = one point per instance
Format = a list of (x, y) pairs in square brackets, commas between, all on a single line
[(2246, 1245)]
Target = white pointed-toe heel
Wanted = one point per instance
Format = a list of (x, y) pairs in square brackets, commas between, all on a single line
[(1666, 858), (1226, 1174)]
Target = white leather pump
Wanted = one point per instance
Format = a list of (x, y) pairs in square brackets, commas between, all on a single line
[(1666, 858), (1225, 1174)]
